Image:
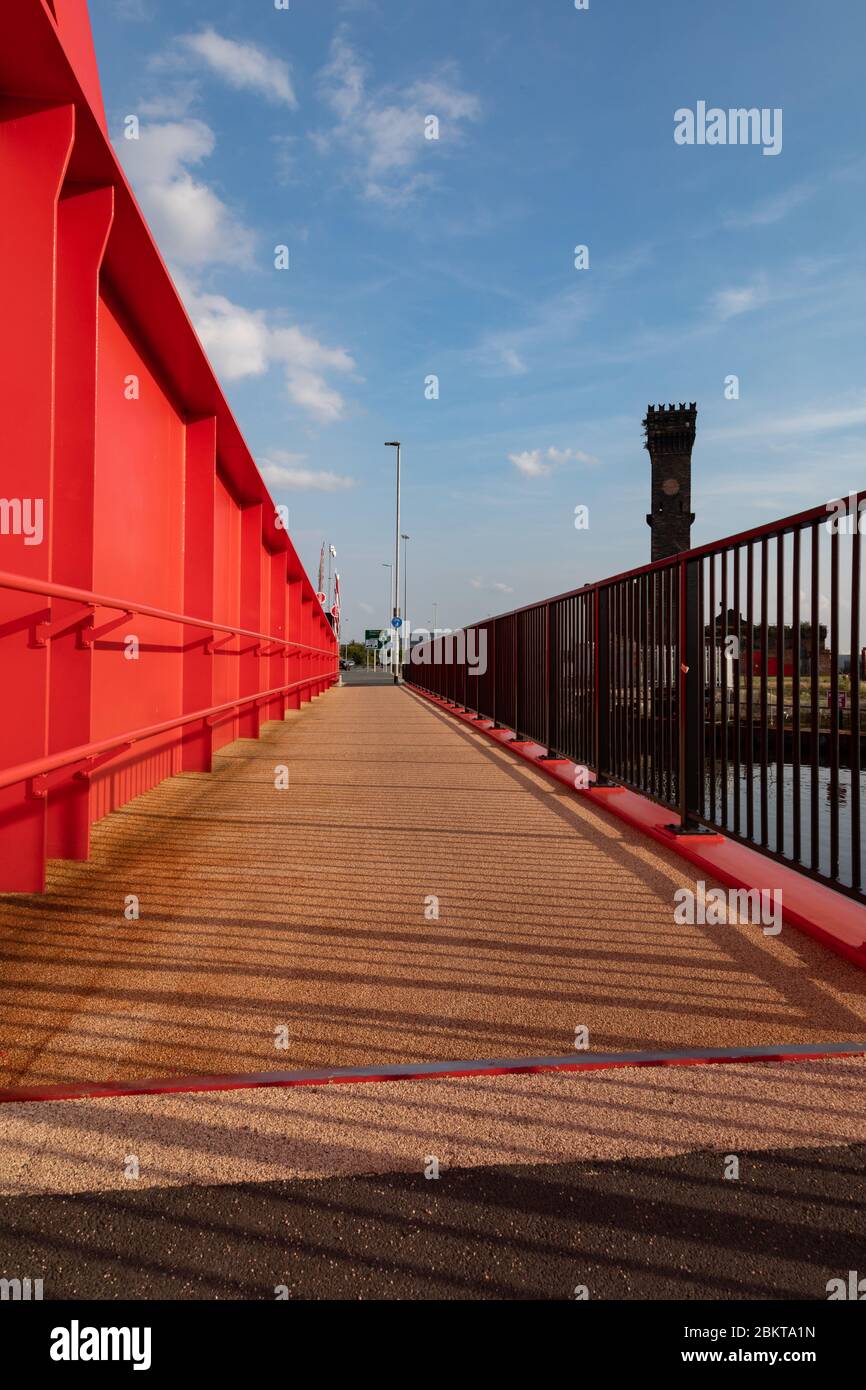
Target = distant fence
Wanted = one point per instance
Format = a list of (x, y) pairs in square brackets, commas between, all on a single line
[(712, 682)]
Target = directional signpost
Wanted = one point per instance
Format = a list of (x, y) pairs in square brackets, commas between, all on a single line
[(377, 639)]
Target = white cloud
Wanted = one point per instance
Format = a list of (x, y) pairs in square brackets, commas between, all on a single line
[(727, 304), (770, 210), (492, 586), (136, 11), (284, 470), (511, 360), (536, 463), (305, 361), (244, 66), (235, 339), (549, 323), (558, 457), (192, 225), (384, 130), (241, 343), (530, 464), (807, 422), (172, 103)]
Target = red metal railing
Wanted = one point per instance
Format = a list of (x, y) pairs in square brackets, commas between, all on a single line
[(712, 683), (85, 757)]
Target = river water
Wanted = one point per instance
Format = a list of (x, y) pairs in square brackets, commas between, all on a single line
[(824, 810)]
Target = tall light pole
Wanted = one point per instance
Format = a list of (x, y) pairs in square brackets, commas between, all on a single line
[(390, 569), (435, 606), (395, 444), (332, 555), (404, 538)]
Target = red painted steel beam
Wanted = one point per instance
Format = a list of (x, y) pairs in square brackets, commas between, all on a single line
[(126, 479), (198, 675), (35, 148)]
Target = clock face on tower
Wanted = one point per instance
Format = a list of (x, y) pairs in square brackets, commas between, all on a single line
[(670, 487)]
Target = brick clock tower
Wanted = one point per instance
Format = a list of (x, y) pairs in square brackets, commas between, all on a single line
[(670, 435)]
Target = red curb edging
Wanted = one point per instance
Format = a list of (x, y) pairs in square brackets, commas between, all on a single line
[(837, 922), (427, 1071)]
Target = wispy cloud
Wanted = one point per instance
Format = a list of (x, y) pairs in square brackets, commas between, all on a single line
[(538, 463), (136, 11), (741, 299), (491, 586), (283, 470), (512, 351), (770, 210), (807, 422), (383, 130), (172, 102), (243, 65)]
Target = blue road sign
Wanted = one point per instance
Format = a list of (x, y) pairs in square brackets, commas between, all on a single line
[(396, 622)]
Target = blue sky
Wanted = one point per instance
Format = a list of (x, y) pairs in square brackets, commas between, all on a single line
[(412, 257)]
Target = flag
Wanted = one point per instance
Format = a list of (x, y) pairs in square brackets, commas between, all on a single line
[(333, 552)]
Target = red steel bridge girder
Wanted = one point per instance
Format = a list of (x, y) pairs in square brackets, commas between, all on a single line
[(118, 441)]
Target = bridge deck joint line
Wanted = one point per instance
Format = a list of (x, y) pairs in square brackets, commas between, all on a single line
[(429, 1071)]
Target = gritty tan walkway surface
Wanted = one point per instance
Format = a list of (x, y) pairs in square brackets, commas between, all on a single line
[(279, 1133), (304, 910)]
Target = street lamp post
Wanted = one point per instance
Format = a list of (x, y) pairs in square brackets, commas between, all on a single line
[(395, 444), (404, 538), (390, 568)]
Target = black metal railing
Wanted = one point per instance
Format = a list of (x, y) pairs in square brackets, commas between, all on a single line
[(715, 683)]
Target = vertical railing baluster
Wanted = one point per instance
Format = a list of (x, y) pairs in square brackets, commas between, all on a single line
[(815, 714), (602, 686), (834, 703), (725, 668), (796, 661), (780, 694), (750, 692), (765, 672), (656, 731), (854, 753), (712, 684), (736, 667)]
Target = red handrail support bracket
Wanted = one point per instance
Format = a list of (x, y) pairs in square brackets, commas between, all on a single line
[(92, 635), (44, 632), (213, 644), (45, 782)]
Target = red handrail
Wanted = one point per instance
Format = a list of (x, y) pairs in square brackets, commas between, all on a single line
[(40, 767), (24, 585)]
